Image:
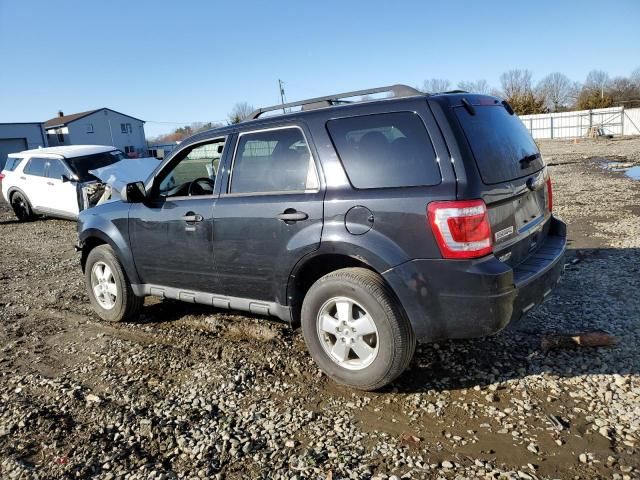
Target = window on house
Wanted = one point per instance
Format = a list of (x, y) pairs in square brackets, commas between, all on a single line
[(123, 127), (89, 127), (60, 137), (129, 129)]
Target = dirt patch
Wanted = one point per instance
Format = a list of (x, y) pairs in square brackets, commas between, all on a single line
[(189, 391)]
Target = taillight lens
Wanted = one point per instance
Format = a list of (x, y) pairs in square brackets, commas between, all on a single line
[(549, 195), (461, 228), (1, 176)]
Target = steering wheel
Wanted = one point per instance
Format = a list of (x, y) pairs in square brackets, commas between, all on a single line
[(201, 186)]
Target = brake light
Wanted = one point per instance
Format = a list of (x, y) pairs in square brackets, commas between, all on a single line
[(461, 228), (549, 195)]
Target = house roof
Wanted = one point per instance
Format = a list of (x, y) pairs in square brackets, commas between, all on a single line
[(64, 120)]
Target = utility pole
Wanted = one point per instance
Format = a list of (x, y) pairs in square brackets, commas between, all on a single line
[(282, 97)]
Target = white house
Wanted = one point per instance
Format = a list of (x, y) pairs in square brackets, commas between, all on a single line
[(98, 127)]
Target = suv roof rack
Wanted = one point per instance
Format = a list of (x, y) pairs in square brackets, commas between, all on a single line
[(398, 91)]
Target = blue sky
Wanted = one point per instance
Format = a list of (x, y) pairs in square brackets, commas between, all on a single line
[(185, 61)]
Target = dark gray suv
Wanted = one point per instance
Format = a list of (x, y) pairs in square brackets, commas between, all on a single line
[(375, 224)]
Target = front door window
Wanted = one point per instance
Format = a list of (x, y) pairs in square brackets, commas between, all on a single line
[(195, 173)]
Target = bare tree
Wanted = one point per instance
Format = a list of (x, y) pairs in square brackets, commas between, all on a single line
[(624, 91), (635, 76), (597, 80), (435, 85), (478, 86), (517, 90), (557, 90), (516, 83), (240, 112)]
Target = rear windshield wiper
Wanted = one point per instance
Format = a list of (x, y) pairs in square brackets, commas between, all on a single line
[(525, 161)]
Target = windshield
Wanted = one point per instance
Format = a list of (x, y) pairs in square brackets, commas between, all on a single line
[(82, 165), (501, 144)]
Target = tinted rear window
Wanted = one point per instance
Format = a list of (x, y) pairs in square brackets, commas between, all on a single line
[(12, 163), (385, 150), (499, 142)]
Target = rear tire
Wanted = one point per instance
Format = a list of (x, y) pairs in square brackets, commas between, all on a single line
[(108, 287), (21, 207), (355, 329)]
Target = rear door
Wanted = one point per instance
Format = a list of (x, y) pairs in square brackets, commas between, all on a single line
[(513, 175), (33, 181), (269, 214)]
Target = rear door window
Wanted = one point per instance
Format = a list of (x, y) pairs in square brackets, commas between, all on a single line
[(36, 166), (501, 144), (269, 161), (385, 150)]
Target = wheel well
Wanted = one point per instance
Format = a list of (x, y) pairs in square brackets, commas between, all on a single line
[(89, 244), (313, 270)]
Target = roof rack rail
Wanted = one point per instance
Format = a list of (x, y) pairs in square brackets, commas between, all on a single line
[(398, 91)]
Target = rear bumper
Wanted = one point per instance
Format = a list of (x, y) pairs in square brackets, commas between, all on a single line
[(476, 298)]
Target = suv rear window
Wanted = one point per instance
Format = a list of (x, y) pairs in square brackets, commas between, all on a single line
[(385, 150), (501, 144), (12, 163)]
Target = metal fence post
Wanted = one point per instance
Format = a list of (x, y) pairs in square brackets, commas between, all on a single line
[(622, 121), (551, 124)]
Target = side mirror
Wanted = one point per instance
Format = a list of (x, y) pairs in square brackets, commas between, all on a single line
[(64, 178), (133, 193)]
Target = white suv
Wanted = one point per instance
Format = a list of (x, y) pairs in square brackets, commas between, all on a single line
[(55, 181)]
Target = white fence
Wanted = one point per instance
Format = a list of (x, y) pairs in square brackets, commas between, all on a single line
[(615, 121)]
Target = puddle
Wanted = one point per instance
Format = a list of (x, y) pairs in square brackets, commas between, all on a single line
[(633, 172), (629, 169)]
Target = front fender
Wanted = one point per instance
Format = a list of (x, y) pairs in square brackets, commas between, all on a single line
[(114, 232)]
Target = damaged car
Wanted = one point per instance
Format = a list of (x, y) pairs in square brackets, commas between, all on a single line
[(63, 181)]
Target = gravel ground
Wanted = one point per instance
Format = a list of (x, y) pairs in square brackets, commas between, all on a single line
[(188, 392)]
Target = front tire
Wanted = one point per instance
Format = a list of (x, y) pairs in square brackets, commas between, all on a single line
[(108, 287), (21, 207), (355, 329)]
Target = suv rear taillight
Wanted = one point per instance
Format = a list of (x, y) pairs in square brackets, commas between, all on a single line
[(461, 228), (1, 176), (549, 195)]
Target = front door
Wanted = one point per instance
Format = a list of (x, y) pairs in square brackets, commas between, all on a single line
[(269, 214), (63, 195), (171, 233)]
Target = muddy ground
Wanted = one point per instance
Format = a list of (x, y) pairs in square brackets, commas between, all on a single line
[(189, 391)]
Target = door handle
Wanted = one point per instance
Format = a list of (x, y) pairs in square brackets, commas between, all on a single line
[(291, 215), (191, 217), (50, 183), (23, 178)]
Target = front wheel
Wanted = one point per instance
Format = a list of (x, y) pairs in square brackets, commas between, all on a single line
[(355, 330), (108, 287)]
